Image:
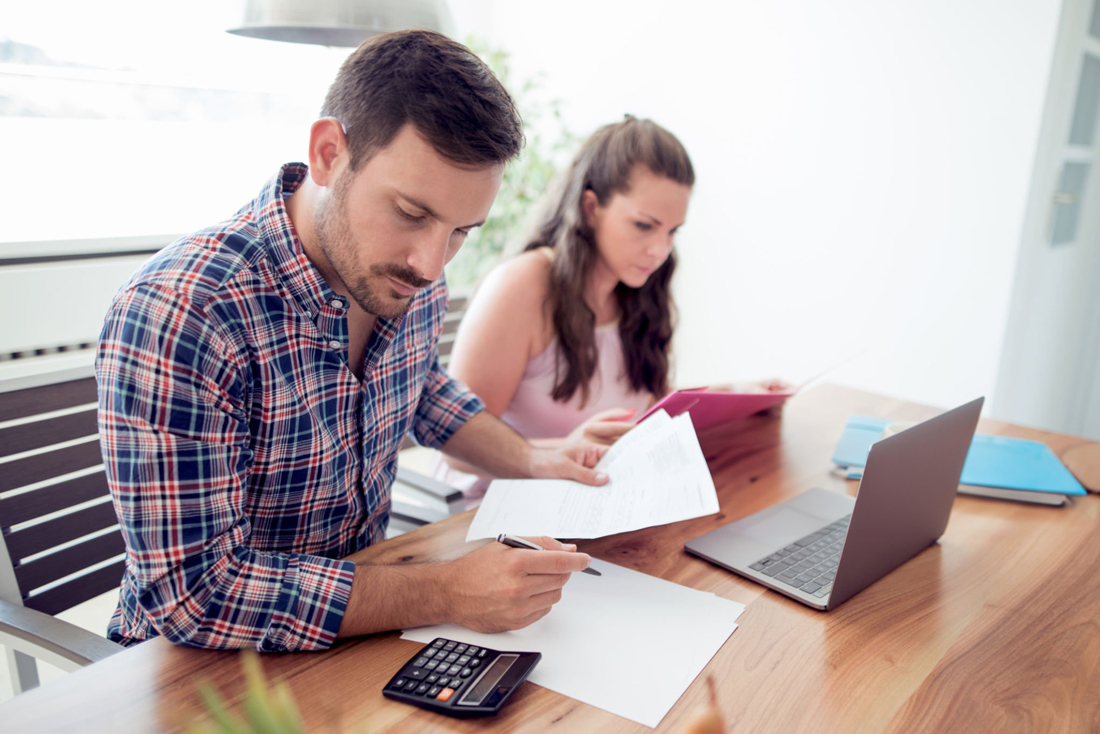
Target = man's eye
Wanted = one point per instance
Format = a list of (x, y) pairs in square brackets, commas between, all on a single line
[(462, 234), (405, 215), (644, 226)]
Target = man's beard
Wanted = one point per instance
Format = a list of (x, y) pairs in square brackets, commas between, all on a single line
[(335, 240)]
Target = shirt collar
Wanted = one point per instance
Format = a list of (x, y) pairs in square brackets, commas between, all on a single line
[(300, 276)]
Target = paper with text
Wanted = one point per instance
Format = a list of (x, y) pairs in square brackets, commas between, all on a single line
[(657, 475), (625, 642)]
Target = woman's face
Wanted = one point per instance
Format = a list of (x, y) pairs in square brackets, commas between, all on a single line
[(634, 231)]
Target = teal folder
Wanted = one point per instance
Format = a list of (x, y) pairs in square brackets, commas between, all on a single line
[(993, 461)]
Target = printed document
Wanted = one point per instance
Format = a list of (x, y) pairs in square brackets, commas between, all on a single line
[(625, 642), (657, 475)]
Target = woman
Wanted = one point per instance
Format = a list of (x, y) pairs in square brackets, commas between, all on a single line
[(570, 339)]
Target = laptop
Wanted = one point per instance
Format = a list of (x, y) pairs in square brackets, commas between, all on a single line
[(821, 548)]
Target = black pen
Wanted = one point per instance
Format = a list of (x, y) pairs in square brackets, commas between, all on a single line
[(508, 540)]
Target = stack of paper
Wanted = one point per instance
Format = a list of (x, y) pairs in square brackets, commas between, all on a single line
[(624, 642), (657, 475)]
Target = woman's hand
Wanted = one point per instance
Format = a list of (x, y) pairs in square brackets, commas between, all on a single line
[(758, 386), (604, 428)]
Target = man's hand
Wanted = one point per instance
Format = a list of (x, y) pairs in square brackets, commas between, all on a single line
[(491, 447), (604, 428), (573, 461), (497, 588)]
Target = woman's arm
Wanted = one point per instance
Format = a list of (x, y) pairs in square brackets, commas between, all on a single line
[(505, 326)]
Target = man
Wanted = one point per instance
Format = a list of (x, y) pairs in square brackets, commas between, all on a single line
[(257, 379)]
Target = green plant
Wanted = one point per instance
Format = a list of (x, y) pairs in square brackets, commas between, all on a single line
[(267, 710), (526, 179)]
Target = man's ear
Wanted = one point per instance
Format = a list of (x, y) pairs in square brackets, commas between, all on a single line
[(589, 203), (328, 150)]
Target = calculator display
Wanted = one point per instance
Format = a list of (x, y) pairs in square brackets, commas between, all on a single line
[(488, 680)]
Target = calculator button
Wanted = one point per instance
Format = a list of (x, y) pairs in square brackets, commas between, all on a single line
[(418, 673), (400, 682), (431, 678), (432, 664), (474, 663), (482, 653), (419, 662), (422, 688), (466, 672), (472, 649), (454, 669), (450, 646), (434, 691), (445, 694), (461, 649), (429, 653), (452, 657), (411, 686), (456, 683), (464, 659), (439, 643)]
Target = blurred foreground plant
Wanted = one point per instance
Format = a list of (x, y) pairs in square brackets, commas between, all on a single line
[(268, 710)]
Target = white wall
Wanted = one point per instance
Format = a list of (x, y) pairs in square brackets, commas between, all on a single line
[(862, 171)]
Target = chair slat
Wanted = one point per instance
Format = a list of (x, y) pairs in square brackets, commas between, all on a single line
[(78, 590), (18, 439), (445, 345), (50, 568), (36, 400), (38, 538), (47, 465), (450, 326), (29, 505)]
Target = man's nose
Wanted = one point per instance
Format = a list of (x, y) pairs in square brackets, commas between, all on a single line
[(429, 254)]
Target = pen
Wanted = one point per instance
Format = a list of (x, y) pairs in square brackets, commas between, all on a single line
[(521, 543)]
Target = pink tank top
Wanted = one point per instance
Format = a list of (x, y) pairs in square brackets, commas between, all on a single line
[(535, 414)]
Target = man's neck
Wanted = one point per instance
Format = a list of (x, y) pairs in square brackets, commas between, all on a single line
[(300, 208)]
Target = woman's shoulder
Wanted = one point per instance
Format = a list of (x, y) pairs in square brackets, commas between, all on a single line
[(522, 280), (515, 291)]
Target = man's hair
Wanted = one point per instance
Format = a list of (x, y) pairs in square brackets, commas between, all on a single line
[(422, 77)]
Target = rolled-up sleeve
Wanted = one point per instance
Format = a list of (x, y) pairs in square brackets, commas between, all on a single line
[(445, 406), (176, 447)]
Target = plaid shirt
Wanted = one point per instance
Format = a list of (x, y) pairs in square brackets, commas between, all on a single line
[(244, 457)]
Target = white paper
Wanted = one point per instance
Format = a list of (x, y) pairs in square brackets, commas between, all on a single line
[(625, 642), (657, 475)]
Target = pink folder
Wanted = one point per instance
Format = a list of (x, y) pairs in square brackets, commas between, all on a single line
[(710, 409)]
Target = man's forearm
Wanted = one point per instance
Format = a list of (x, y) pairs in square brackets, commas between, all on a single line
[(490, 445), (387, 597)]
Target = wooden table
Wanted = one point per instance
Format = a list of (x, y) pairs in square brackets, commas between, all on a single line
[(996, 628)]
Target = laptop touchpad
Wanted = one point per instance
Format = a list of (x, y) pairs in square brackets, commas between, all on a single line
[(779, 527)]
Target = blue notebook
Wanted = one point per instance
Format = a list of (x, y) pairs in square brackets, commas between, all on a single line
[(993, 461)]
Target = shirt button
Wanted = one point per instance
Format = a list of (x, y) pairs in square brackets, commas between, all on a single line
[(336, 303), (336, 344), (309, 314)]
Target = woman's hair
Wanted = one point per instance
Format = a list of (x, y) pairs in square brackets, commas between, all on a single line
[(604, 166)]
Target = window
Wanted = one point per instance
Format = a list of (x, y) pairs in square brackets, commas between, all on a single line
[(125, 118)]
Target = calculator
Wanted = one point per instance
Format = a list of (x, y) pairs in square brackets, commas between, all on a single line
[(452, 678)]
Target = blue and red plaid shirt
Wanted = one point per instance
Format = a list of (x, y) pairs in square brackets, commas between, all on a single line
[(244, 457)]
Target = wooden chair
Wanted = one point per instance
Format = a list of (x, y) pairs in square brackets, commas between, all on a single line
[(59, 538)]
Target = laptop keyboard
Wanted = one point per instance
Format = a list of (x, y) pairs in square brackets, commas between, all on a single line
[(808, 564)]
